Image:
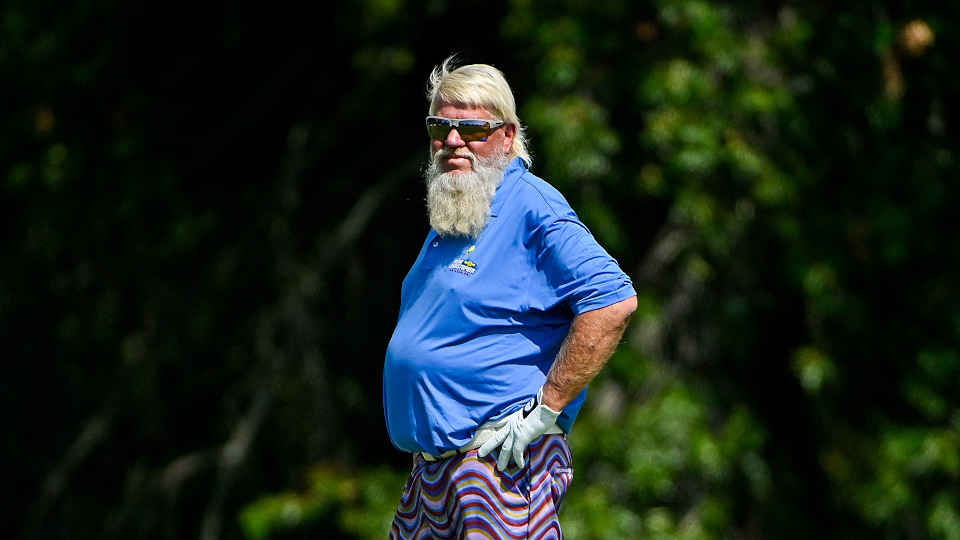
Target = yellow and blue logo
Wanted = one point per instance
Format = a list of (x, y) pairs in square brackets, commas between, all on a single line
[(464, 266)]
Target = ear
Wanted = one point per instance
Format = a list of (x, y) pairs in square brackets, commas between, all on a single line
[(509, 133)]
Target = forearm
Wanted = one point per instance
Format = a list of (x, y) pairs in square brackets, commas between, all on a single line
[(593, 337)]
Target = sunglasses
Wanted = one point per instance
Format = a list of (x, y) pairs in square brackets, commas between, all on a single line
[(472, 129)]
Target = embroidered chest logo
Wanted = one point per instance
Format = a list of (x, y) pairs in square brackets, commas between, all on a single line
[(464, 266)]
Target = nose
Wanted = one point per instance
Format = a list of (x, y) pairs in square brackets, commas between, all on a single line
[(453, 139)]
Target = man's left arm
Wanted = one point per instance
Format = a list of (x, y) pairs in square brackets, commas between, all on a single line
[(592, 338), (591, 341)]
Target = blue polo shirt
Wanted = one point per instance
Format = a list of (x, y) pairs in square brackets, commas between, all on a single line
[(481, 320)]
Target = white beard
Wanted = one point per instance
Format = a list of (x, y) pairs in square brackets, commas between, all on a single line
[(459, 203)]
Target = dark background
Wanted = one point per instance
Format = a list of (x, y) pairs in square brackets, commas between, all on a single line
[(207, 211)]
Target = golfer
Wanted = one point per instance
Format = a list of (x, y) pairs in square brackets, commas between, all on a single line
[(509, 311)]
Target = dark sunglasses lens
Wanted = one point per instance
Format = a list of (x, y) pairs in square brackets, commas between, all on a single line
[(473, 130), (438, 129)]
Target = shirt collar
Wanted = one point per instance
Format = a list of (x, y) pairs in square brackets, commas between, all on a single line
[(511, 175)]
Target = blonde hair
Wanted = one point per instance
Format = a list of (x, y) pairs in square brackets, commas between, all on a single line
[(478, 85)]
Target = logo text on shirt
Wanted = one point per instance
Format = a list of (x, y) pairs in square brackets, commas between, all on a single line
[(464, 266)]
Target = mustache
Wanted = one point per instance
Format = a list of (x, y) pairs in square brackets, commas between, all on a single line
[(449, 152)]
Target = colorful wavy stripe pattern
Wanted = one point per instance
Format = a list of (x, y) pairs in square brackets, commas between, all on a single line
[(466, 498)]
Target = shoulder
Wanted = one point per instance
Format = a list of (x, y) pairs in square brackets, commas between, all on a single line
[(537, 195)]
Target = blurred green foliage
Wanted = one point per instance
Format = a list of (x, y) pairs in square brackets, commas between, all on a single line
[(363, 503), (206, 216)]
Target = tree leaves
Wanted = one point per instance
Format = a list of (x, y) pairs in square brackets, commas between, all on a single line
[(206, 222)]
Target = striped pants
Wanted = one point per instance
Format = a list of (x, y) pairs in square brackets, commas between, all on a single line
[(465, 497)]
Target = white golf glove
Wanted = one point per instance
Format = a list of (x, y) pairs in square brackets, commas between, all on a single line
[(520, 429)]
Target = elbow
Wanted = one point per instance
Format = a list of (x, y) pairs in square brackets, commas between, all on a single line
[(625, 309)]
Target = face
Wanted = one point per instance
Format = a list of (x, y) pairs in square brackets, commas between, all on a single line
[(501, 140)]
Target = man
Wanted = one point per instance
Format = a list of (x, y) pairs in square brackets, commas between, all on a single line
[(510, 309)]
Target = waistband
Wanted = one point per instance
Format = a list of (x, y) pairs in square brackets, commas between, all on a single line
[(484, 432)]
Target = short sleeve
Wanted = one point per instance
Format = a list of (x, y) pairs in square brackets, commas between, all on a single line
[(578, 272)]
